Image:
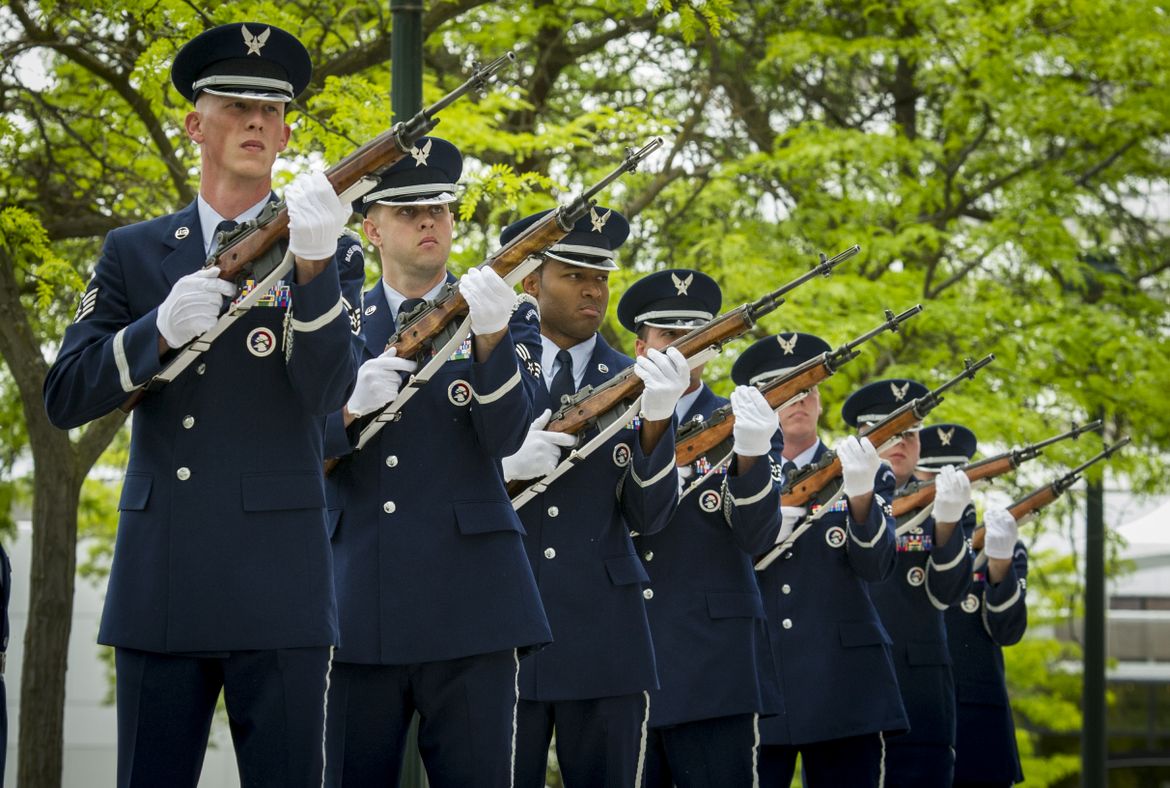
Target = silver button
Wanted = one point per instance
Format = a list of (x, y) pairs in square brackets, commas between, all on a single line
[(550, 553), (183, 473), (553, 511), (649, 555), (787, 554), (388, 507), (391, 461), (648, 593), (786, 623), (787, 589), (188, 422), (199, 370)]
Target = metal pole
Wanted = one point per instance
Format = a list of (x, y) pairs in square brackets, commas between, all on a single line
[(406, 99), (1094, 745), (406, 57)]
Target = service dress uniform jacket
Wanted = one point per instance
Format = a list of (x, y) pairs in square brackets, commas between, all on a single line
[(590, 578), (222, 542), (990, 617), (927, 580), (428, 554), (833, 659), (706, 614)]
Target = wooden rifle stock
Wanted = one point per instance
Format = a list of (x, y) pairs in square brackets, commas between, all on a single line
[(696, 439), (921, 493), (589, 405), (1041, 497), (808, 484), (251, 241)]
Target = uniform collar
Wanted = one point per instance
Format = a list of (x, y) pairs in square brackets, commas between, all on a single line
[(394, 299), (581, 353), (807, 456), (209, 219), (682, 408)]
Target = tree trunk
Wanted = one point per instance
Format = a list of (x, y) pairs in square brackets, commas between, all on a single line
[(57, 488)]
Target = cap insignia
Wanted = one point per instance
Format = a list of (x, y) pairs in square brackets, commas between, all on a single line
[(787, 345), (899, 393), (681, 285), (255, 43), (421, 154), (944, 436), (598, 221)]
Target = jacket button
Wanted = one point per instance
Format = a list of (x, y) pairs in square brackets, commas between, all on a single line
[(786, 623), (388, 507), (188, 422), (391, 461), (786, 589), (553, 511), (183, 473), (787, 554), (649, 555), (648, 593), (550, 553), (199, 370)]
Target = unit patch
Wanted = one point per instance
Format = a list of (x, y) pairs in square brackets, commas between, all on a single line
[(916, 576), (835, 537), (710, 500), (459, 392), (261, 342), (970, 604), (621, 455)]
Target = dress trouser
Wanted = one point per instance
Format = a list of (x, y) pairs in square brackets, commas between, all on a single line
[(600, 741), (722, 752), (466, 709), (855, 761), (275, 704)]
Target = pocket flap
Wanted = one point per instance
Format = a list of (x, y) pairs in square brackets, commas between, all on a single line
[(734, 605), (928, 654), (267, 492), (625, 570), (485, 517), (135, 492), (862, 633)]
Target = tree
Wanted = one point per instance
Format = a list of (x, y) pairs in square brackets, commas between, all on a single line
[(982, 155)]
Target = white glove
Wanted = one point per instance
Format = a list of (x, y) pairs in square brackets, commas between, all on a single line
[(685, 474), (859, 464), (755, 422), (489, 299), (1002, 533), (952, 493), (315, 216), (540, 452), (192, 306), (666, 376), (378, 382), (790, 516)]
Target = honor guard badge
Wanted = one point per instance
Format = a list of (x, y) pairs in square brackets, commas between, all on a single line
[(970, 604), (602, 368), (261, 342), (709, 501), (459, 392), (916, 576), (835, 537), (621, 455), (182, 233), (371, 309)]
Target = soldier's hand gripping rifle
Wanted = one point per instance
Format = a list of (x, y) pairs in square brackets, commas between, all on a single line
[(818, 485), (437, 328), (613, 404), (919, 494), (1025, 508), (712, 439), (252, 250)]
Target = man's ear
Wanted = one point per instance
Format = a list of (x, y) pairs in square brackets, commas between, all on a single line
[(531, 284), (639, 347), (193, 123), (371, 231)]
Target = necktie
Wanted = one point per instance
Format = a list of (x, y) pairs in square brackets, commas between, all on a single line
[(226, 226), (406, 306), (788, 469), (562, 382)]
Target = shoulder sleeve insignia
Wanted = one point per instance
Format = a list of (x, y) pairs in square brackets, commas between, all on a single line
[(87, 304)]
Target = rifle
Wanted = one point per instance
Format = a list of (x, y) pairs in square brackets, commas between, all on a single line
[(712, 439), (445, 321), (1025, 508), (614, 403), (252, 250), (920, 492), (811, 484)]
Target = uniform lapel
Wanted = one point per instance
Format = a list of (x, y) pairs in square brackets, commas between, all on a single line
[(603, 364), (377, 322), (187, 251)]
